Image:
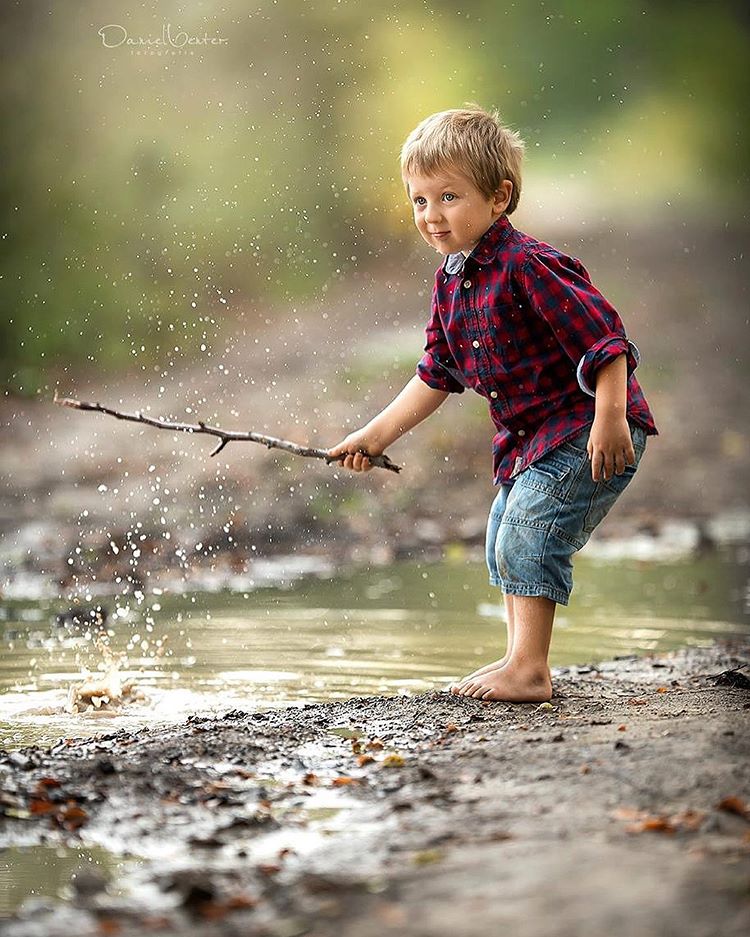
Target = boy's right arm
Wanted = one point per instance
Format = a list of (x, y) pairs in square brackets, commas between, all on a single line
[(415, 403)]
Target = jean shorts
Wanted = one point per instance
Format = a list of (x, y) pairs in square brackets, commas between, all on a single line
[(538, 521)]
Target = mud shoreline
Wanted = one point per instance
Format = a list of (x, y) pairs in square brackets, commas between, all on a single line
[(620, 809)]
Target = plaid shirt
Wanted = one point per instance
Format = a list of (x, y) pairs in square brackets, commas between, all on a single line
[(521, 324)]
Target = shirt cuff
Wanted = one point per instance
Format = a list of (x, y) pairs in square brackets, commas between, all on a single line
[(601, 353), (438, 376)]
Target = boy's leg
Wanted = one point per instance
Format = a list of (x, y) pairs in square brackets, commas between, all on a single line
[(501, 661), (525, 677)]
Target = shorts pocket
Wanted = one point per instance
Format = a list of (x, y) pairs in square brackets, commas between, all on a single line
[(553, 474), (605, 494)]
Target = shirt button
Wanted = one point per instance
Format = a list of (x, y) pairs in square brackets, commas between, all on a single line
[(522, 432), (467, 284), (493, 394), (475, 343)]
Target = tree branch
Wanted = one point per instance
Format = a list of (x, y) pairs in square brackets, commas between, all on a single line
[(225, 435)]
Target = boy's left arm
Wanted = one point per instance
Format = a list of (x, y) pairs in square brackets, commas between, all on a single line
[(591, 333), (610, 446)]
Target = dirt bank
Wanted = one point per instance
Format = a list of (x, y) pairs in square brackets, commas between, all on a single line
[(622, 809)]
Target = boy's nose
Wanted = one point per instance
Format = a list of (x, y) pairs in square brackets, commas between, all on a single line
[(432, 214)]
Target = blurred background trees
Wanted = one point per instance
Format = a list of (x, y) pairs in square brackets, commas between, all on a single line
[(147, 190)]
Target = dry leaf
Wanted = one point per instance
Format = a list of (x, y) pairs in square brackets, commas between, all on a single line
[(38, 806), (734, 805), (108, 926), (393, 761), (643, 821), (73, 816), (427, 856)]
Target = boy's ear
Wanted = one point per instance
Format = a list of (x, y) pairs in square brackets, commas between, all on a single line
[(502, 196)]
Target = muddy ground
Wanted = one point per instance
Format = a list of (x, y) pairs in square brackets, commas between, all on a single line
[(622, 808)]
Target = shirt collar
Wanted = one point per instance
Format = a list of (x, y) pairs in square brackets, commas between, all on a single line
[(485, 250)]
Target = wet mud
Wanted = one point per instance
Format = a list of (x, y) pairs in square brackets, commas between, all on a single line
[(621, 808)]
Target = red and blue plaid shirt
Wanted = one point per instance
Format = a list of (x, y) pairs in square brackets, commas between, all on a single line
[(521, 324)]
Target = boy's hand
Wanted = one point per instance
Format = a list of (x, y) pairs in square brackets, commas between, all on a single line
[(610, 447), (354, 450)]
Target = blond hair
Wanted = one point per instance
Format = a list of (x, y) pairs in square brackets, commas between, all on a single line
[(470, 140)]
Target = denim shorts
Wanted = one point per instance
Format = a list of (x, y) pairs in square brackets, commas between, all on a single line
[(546, 514)]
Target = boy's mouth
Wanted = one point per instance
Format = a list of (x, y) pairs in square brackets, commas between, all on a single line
[(440, 234)]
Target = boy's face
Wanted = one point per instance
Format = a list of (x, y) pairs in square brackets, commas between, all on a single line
[(451, 213)]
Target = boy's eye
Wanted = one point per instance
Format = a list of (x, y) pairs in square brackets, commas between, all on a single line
[(449, 196), (419, 200)]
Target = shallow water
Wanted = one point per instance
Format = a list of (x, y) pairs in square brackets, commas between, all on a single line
[(387, 630)]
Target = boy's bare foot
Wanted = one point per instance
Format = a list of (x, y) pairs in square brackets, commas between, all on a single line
[(495, 665), (512, 683)]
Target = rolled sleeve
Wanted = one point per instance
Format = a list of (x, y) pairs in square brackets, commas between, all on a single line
[(437, 367), (437, 375), (585, 324), (601, 353)]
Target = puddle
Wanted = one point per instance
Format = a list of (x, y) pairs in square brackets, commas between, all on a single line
[(53, 872), (310, 823), (394, 630)]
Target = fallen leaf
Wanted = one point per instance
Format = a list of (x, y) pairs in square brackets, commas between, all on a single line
[(427, 856), (622, 728), (393, 760), (73, 816), (375, 745), (643, 821), (451, 727), (346, 732), (343, 781), (16, 813), (662, 689), (310, 778), (657, 824), (109, 926), (38, 806), (500, 836), (365, 760), (238, 902), (734, 805)]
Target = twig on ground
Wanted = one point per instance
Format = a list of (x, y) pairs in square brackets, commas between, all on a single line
[(225, 436)]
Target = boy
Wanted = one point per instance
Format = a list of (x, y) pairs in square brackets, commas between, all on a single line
[(521, 324)]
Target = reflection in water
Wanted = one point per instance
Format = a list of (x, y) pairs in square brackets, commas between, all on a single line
[(391, 630)]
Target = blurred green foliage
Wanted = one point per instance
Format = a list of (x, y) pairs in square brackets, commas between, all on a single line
[(149, 190)]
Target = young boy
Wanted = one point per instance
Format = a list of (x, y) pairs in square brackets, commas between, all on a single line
[(520, 323)]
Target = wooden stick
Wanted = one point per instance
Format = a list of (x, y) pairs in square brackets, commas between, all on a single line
[(225, 435)]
